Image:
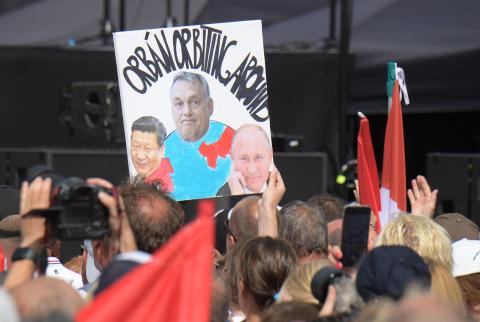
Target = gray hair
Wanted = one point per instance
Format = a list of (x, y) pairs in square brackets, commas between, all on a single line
[(304, 227), (191, 77)]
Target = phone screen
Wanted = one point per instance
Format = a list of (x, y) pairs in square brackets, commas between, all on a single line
[(356, 221)]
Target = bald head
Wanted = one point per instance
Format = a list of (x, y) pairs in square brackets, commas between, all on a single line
[(153, 215), (243, 221), (251, 153), (43, 296)]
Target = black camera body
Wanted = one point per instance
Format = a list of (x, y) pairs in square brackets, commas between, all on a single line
[(77, 213)]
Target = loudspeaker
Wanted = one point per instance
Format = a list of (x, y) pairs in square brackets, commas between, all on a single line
[(107, 164), (304, 174), (457, 178), (92, 110)]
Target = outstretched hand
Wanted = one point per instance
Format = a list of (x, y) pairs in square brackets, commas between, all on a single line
[(121, 234), (422, 199), (275, 190), (34, 196), (267, 205)]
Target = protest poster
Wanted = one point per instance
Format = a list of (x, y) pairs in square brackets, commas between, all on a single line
[(195, 108)]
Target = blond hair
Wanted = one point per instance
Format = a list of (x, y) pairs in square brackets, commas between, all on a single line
[(297, 286), (422, 234), (445, 287)]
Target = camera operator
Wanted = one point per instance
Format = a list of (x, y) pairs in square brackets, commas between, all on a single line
[(34, 198)]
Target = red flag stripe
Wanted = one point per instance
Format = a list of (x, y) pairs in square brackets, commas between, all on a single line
[(367, 171), (393, 174)]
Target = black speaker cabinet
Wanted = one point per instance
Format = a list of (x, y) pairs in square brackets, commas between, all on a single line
[(107, 164), (457, 177)]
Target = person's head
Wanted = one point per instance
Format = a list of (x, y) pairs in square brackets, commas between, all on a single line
[(290, 311), (376, 311), (101, 256), (444, 286), (243, 223), (331, 206), (423, 308), (297, 286), (252, 155), (470, 286), (154, 216), (389, 271), (305, 228), (421, 234), (257, 269), (466, 269), (192, 105), (90, 266), (44, 295), (8, 308), (147, 145), (220, 299), (458, 226), (335, 228)]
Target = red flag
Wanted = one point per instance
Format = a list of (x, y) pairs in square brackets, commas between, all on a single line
[(393, 191), (3, 260), (369, 189), (174, 286)]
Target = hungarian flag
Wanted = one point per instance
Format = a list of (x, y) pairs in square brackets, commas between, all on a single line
[(174, 286), (393, 192), (367, 173)]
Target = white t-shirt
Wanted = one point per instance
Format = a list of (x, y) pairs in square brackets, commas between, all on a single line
[(57, 270)]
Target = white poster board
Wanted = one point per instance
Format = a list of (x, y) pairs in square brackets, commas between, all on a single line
[(187, 94)]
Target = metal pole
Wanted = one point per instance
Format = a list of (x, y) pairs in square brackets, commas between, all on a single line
[(122, 13), (106, 23), (186, 12), (346, 10), (333, 20)]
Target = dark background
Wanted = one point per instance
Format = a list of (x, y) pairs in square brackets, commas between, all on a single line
[(43, 51)]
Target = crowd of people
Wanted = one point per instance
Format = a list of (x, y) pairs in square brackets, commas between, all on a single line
[(277, 260)]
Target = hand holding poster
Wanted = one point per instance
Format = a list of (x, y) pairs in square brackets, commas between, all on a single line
[(195, 108)]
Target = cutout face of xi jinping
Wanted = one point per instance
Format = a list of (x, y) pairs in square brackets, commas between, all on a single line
[(146, 153), (191, 109)]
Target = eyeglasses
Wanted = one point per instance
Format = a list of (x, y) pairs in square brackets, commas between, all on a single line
[(227, 229)]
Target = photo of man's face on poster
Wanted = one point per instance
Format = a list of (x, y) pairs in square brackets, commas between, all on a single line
[(192, 105), (147, 145), (252, 157)]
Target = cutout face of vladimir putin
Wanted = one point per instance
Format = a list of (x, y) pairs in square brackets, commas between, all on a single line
[(191, 105), (252, 156), (146, 145)]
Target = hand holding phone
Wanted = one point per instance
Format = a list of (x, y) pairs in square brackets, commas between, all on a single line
[(356, 221)]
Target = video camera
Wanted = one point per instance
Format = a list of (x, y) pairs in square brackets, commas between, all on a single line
[(76, 213)]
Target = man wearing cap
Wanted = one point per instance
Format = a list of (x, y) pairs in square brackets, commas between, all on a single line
[(458, 226), (466, 270)]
